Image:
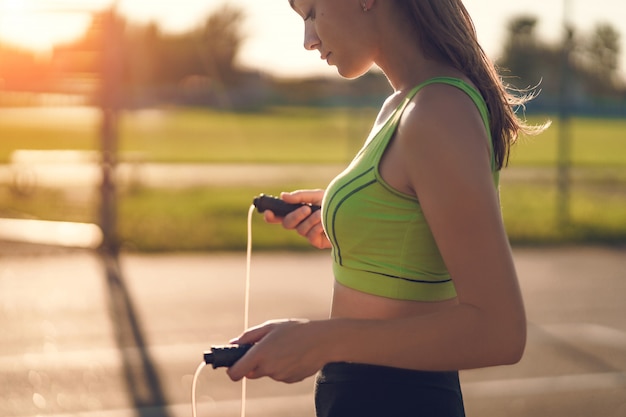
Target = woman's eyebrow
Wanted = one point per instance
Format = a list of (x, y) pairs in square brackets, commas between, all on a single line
[(292, 3)]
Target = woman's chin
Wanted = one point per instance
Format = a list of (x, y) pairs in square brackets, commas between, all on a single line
[(351, 73)]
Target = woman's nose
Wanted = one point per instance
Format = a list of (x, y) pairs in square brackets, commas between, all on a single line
[(311, 40)]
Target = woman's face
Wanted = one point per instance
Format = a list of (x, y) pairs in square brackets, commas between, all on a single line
[(337, 29)]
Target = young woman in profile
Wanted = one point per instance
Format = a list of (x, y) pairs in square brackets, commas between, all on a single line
[(425, 283)]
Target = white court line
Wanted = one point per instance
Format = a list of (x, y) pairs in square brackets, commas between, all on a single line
[(267, 406), (104, 357), (588, 332), (55, 233), (524, 387)]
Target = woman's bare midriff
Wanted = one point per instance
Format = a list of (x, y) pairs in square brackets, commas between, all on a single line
[(349, 303)]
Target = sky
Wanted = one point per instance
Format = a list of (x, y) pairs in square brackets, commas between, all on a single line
[(273, 32)]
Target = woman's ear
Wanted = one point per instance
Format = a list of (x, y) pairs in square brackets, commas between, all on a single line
[(367, 5)]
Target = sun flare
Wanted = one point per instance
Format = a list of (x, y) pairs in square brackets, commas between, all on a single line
[(31, 24)]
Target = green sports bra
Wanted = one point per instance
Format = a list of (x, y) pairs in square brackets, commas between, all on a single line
[(381, 243)]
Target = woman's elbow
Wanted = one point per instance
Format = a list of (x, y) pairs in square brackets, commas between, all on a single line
[(512, 343)]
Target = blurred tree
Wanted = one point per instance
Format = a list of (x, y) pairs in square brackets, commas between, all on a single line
[(82, 56), (220, 41), (143, 49), (593, 62), (530, 61), (156, 63), (176, 58), (77, 66), (600, 58), (189, 65), (520, 51)]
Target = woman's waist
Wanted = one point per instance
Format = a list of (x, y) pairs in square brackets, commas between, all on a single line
[(351, 303), (359, 372)]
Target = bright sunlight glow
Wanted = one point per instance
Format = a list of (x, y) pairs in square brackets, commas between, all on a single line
[(27, 26)]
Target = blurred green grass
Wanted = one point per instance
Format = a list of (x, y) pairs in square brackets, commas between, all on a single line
[(214, 218), (279, 135), (594, 142)]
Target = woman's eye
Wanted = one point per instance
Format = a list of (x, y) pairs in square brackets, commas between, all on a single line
[(310, 16)]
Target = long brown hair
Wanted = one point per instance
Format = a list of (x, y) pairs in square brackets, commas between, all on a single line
[(446, 31)]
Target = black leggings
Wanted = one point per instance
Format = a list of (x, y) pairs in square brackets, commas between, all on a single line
[(347, 390)]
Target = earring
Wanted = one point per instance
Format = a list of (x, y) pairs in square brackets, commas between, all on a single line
[(364, 6)]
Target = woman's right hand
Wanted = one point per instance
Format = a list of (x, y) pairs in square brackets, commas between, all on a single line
[(307, 224)]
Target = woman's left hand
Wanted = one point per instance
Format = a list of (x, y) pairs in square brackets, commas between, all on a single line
[(284, 350)]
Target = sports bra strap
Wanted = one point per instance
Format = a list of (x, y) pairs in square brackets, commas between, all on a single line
[(471, 92)]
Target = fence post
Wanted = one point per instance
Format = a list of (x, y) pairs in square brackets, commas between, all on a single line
[(110, 75), (564, 137)]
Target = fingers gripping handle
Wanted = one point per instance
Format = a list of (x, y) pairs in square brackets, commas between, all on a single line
[(225, 356), (278, 206)]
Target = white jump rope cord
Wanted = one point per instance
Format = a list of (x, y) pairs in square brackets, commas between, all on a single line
[(246, 314)]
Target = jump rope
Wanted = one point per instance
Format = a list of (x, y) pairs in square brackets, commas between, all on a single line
[(225, 356)]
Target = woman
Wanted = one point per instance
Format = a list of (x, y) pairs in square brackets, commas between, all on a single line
[(425, 281)]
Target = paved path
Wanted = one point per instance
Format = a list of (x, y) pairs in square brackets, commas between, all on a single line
[(86, 174), (76, 342)]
